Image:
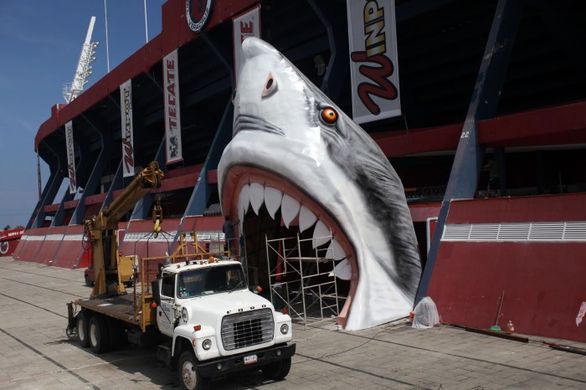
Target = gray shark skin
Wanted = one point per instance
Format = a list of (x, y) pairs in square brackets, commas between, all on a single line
[(278, 127)]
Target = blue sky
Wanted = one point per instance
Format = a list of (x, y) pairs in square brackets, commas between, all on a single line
[(40, 43)]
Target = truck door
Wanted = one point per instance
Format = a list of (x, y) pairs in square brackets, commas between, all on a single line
[(165, 311)]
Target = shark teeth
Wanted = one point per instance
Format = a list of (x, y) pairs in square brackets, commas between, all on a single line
[(243, 202), (257, 192), (306, 219), (255, 195), (273, 199), (342, 270), (335, 251), (289, 209), (321, 234)]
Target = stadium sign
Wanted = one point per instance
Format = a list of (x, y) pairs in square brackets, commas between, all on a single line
[(127, 128), (374, 65), (197, 13), (70, 148), (174, 150), (245, 25)]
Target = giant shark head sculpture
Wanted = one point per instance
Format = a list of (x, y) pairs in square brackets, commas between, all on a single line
[(293, 149)]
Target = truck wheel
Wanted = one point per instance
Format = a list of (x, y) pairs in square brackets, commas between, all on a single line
[(277, 370), (98, 334), (82, 328), (189, 378)]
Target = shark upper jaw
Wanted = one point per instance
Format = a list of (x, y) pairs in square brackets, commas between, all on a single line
[(250, 187)]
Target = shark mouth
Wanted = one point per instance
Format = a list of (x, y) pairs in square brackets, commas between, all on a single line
[(249, 192)]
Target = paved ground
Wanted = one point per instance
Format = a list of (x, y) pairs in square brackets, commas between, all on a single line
[(35, 353)]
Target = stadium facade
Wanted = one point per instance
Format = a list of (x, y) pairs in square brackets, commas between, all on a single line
[(490, 142)]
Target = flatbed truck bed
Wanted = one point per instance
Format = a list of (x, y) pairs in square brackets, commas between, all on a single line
[(121, 307)]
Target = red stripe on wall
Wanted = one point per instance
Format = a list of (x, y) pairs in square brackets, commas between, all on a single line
[(546, 208), (420, 212)]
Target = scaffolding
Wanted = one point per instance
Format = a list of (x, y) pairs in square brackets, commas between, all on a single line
[(304, 285)]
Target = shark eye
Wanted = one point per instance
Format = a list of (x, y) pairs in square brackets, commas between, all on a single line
[(270, 86), (328, 115)]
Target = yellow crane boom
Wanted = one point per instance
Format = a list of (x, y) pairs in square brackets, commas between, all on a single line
[(104, 226)]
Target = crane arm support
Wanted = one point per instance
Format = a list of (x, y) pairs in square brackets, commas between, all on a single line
[(148, 179), (104, 226)]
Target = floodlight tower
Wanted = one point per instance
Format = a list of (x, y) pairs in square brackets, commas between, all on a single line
[(84, 69)]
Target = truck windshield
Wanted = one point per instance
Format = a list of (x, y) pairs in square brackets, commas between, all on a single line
[(210, 280)]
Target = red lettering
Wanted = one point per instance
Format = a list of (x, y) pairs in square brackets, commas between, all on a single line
[(246, 30), (170, 76), (71, 171), (379, 73), (171, 89), (128, 159)]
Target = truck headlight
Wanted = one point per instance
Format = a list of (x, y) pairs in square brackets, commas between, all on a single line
[(206, 344), (184, 314), (284, 329)]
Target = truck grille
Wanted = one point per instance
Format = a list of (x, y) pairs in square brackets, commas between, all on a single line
[(242, 330)]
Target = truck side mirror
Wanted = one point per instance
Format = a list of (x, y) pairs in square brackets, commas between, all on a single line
[(156, 291)]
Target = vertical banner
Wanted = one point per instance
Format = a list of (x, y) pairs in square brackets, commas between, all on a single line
[(127, 128), (39, 186), (374, 67), (244, 25), (172, 108), (70, 157)]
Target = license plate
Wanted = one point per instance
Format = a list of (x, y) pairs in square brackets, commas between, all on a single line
[(250, 359)]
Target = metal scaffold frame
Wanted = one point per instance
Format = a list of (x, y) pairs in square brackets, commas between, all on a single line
[(302, 283)]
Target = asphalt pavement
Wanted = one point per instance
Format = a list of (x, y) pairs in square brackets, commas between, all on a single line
[(35, 353)]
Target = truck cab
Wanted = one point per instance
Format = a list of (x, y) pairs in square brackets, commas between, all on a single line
[(216, 325)]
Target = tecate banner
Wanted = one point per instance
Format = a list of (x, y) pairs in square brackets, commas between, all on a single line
[(373, 60), (127, 128), (172, 108), (245, 25), (70, 157)]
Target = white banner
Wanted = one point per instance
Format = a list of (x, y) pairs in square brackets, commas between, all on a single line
[(127, 128), (70, 157), (172, 108), (374, 67), (245, 25)]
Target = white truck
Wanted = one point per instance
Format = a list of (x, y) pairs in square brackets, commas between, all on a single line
[(197, 307), (209, 322)]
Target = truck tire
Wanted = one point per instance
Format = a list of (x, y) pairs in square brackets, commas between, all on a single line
[(189, 378), (98, 334), (277, 370), (82, 323)]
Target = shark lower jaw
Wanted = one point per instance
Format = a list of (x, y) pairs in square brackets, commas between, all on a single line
[(247, 190)]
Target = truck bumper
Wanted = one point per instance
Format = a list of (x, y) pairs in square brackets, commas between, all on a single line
[(235, 363)]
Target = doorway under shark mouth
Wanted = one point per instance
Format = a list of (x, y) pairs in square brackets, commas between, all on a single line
[(294, 250)]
